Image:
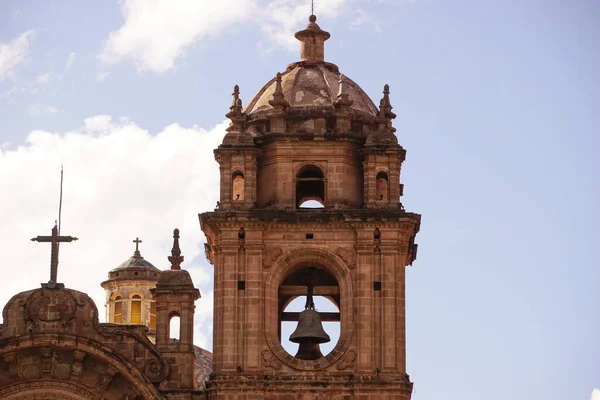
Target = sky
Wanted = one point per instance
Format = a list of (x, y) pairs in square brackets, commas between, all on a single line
[(497, 105)]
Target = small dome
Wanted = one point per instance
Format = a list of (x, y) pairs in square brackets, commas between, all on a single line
[(136, 261), (311, 86), (237, 139), (202, 366)]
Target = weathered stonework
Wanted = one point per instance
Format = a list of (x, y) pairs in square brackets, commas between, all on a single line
[(52, 345), (310, 134)]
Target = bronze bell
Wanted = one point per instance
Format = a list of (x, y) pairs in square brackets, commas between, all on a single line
[(309, 334)]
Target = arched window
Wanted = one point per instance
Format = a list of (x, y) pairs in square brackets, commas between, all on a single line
[(382, 187), (152, 315), (118, 310), (237, 186), (174, 326), (136, 309), (310, 185)]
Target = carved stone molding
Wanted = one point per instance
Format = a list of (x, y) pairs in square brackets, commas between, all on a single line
[(271, 256), (348, 256), (270, 360), (347, 360), (50, 306)]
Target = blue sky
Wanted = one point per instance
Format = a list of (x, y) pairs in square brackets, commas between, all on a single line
[(497, 105)]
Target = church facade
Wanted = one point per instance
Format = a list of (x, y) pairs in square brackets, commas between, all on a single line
[(310, 137)]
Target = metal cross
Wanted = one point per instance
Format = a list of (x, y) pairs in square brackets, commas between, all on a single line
[(137, 241), (54, 239)]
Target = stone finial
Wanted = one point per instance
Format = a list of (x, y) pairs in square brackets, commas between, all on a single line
[(235, 114), (175, 258), (385, 115), (313, 40), (343, 99), (279, 101)]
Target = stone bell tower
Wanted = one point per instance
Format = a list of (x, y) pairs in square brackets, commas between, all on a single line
[(310, 136)]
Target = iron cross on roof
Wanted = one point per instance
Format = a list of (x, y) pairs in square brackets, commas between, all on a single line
[(54, 239)]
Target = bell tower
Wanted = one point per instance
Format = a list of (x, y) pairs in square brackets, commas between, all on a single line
[(319, 221)]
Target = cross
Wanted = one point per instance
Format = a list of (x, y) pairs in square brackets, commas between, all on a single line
[(137, 242), (312, 7), (54, 239)]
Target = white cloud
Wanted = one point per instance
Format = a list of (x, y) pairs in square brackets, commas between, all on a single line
[(595, 394), (38, 110), (43, 79), (101, 77), (120, 182), (156, 33), (363, 18), (280, 19), (71, 59), (14, 53), (13, 92)]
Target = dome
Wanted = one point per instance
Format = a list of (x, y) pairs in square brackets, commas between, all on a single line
[(136, 261), (312, 86), (202, 366)]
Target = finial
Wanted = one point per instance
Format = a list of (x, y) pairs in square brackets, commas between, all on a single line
[(175, 258), (278, 101), (312, 9), (235, 113), (236, 95), (385, 107), (313, 40), (343, 99), (137, 242)]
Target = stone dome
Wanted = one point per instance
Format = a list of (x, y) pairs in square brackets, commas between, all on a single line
[(308, 85), (312, 84)]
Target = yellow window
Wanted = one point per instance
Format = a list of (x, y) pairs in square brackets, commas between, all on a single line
[(118, 310), (136, 309)]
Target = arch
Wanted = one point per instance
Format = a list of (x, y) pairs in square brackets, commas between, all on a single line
[(135, 315), (174, 326), (284, 267), (91, 348), (237, 186), (310, 184), (382, 187)]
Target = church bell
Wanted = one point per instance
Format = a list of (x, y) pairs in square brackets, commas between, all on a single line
[(309, 333)]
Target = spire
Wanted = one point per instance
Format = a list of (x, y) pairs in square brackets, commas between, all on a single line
[(279, 101), (176, 258), (235, 113), (313, 40), (385, 115)]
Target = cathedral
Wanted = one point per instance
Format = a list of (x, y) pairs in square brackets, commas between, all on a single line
[(309, 213)]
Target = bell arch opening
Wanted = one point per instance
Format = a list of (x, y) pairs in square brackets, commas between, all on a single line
[(382, 187), (237, 186), (310, 185), (309, 313), (174, 326)]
